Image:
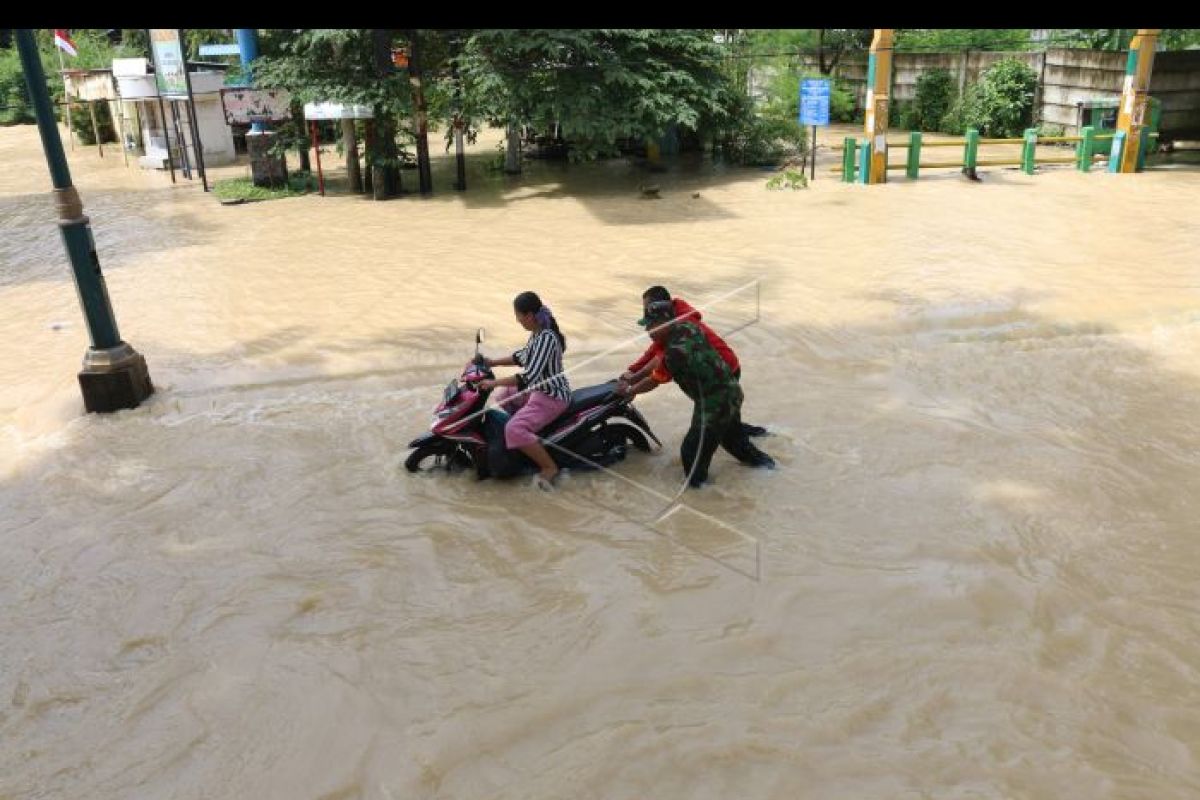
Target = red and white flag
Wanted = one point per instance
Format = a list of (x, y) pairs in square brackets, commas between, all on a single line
[(63, 41)]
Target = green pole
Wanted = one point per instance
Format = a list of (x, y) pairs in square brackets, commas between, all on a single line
[(971, 153), (114, 373), (865, 162), (914, 155), (1029, 152), (1083, 150), (849, 146)]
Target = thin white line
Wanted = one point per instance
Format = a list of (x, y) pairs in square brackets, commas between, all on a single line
[(610, 351), (674, 506)]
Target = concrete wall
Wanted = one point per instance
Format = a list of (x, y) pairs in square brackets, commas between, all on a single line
[(1070, 77), (210, 119), (1066, 79), (1176, 82)]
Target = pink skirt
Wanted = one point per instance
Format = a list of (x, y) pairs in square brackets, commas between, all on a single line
[(531, 411)]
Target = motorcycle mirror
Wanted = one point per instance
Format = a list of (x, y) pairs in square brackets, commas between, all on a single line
[(478, 339)]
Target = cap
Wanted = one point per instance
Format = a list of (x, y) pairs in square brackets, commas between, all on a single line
[(658, 311)]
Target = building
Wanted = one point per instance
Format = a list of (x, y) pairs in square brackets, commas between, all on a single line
[(130, 89)]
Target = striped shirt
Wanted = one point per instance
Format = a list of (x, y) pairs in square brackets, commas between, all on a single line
[(541, 358)]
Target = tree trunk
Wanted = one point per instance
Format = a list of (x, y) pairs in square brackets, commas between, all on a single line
[(350, 140), (386, 178), (300, 142), (421, 116), (459, 155), (512, 160), (368, 182)]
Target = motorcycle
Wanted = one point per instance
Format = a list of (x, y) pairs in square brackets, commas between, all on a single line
[(596, 429)]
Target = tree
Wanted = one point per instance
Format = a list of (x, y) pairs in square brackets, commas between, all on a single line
[(832, 42), (1000, 104), (598, 86), (1119, 38), (935, 96), (342, 65), (953, 39)]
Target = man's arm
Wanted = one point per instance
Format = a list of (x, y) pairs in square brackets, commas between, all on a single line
[(654, 363), (637, 366), (641, 387)]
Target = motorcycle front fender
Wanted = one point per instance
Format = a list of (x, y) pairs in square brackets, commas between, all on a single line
[(423, 439)]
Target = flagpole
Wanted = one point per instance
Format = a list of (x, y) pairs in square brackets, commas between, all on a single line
[(62, 69)]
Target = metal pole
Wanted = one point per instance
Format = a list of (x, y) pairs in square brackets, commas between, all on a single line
[(184, 161), (162, 112), (199, 145), (114, 374), (813, 173)]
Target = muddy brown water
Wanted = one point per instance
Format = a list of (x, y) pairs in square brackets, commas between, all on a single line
[(977, 562)]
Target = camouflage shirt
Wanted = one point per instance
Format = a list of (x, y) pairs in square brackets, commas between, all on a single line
[(701, 373)]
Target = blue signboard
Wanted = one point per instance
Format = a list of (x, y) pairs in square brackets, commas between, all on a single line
[(814, 101)]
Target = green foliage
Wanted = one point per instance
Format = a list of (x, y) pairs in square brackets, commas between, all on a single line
[(1119, 38), (788, 179), (244, 189), (135, 42), (833, 42), (954, 39), (339, 65), (783, 95), (842, 103), (331, 64), (95, 52), (763, 138), (194, 37), (935, 97), (902, 116), (597, 85), (81, 122), (1000, 104), (14, 95)]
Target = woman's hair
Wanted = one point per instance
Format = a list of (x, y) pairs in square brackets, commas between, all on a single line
[(530, 303)]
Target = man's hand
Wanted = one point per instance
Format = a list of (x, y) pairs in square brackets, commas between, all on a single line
[(487, 384)]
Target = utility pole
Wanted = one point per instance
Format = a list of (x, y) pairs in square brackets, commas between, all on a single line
[(114, 375), (879, 82), (1135, 97)]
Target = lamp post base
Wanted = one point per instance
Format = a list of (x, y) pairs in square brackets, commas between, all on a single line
[(114, 379)]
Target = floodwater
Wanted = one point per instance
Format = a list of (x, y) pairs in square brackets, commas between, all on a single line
[(973, 576)]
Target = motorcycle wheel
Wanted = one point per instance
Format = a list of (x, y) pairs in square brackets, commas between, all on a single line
[(443, 457), (620, 434)]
